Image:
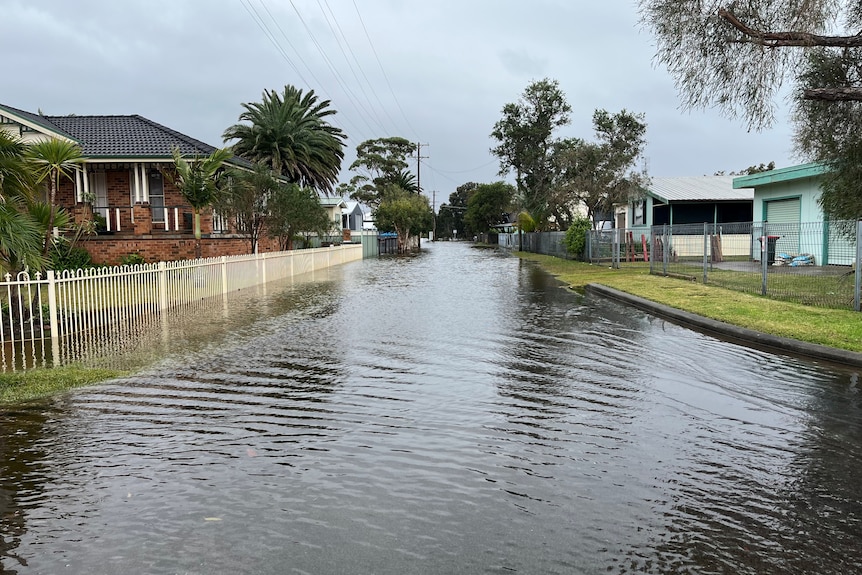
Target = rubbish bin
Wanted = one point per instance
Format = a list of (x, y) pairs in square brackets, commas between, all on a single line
[(770, 248)]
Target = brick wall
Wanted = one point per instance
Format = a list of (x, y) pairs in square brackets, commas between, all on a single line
[(110, 249)]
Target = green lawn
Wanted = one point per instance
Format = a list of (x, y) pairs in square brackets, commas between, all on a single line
[(839, 328), (21, 386)]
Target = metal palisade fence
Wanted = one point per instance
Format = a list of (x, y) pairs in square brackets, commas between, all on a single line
[(814, 263), (55, 318)]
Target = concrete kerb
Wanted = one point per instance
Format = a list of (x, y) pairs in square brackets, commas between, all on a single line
[(732, 333)]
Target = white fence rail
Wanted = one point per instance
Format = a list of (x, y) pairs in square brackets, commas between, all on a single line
[(48, 319)]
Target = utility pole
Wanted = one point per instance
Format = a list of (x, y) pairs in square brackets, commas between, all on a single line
[(434, 213), (419, 158)]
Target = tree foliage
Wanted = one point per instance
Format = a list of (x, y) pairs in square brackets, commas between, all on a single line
[(198, 181), (599, 174), (575, 239), (296, 211), (487, 206), (830, 132), (526, 144), (734, 55), (290, 134), (248, 199), (407, 214), (450, 216), (53, 159), (380, 163)]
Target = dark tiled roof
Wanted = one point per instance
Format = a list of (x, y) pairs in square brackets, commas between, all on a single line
[(127, 137), (119, 136)]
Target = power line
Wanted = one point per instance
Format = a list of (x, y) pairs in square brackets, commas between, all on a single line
[(385, 76)]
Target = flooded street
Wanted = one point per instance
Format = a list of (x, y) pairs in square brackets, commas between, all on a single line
[(454, 412)]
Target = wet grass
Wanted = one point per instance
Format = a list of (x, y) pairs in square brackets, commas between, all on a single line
[(20, 386), (838, 328)]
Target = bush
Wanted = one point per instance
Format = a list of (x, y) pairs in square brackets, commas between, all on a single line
[(576, 237), (70, 258), (132, 259)]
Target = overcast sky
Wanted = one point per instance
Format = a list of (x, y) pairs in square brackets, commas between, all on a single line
[(436, 71)]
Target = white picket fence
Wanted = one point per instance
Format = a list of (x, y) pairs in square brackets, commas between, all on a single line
[(57, 317)]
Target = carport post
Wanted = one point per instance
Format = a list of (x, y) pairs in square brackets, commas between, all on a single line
[(858, 284)]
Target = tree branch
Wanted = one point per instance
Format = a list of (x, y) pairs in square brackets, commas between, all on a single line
[(849, 94), (783, 39)]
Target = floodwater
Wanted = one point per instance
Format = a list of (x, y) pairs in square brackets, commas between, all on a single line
[(454, 412)]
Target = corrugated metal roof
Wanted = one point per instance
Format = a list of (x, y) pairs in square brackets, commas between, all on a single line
[(698, 189)]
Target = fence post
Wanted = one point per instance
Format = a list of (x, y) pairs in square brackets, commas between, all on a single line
[(163, 286), (53, 316), (764, 263), (665, 249), (615, 250), (224, 276), (705, 249), (858, 284)]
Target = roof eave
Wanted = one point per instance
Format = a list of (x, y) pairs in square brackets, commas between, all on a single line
[(781, 175)]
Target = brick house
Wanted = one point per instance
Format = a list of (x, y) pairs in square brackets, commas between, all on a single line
[(122, 185)]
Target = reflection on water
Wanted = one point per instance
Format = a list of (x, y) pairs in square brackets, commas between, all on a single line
[(456, 412)]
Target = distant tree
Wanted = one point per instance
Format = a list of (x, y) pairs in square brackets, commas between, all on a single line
[(450, 216), (736, 56), (404, 213), (198, 181), (600, 174), (379, 164), (487, 206), (526, 145), (290, 134), (54, 159), (755, 169)]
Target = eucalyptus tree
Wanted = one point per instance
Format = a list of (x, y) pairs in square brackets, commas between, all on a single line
[(526, 144), (53, 159), (738, 56), (380, 163), (198, 181), (602, 173), (289, 133)]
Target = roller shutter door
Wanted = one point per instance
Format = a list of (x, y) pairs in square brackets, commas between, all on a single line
[(782, 211), (783, 217)]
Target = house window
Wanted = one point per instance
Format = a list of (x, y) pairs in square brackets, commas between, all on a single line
[(157, 195), (638, 212)]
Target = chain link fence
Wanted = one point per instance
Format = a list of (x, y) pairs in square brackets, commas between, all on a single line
[(813, 263)]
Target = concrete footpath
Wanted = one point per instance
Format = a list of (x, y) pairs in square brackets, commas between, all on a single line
[(729, 332)]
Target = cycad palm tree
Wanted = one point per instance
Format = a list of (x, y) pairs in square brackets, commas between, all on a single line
[(288, 132), (54, 159), (198, 182)]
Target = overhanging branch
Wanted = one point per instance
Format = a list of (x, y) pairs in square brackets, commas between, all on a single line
[(850, 94), (787, 39)]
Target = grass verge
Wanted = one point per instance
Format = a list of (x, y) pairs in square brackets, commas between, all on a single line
[(838, 328), (22, 386)]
